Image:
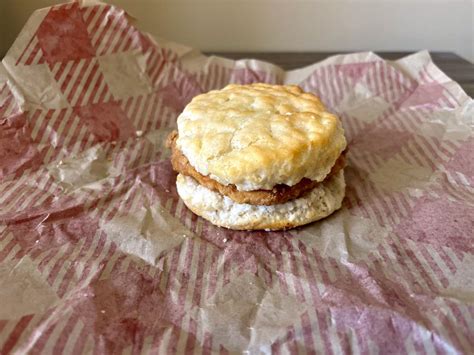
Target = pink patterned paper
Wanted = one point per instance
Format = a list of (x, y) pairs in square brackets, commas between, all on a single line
[(98, 253)]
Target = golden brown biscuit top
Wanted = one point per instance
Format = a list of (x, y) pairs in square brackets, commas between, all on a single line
[(257, 136)]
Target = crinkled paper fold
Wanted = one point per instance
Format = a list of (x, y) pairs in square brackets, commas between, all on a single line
[(97, 252)]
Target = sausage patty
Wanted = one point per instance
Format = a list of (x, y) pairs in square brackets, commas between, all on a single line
[(279, 194)]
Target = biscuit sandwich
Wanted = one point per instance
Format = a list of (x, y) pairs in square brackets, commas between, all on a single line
[(259, 156)]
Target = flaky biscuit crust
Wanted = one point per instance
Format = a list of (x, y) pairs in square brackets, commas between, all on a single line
[(258, 136), (220, 210)]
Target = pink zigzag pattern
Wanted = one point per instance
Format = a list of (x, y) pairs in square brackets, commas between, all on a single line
[(94, 277)]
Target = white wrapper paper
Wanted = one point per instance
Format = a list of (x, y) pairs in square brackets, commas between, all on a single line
[(97, 252)]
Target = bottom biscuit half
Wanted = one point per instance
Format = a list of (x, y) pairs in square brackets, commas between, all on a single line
[(220, 210)]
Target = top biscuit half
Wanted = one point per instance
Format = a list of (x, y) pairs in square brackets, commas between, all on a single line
[(259, 135)]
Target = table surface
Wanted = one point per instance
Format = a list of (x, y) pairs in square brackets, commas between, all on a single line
[(457, 68)]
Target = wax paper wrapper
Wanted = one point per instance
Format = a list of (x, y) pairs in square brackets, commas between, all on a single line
[(98, 254)]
